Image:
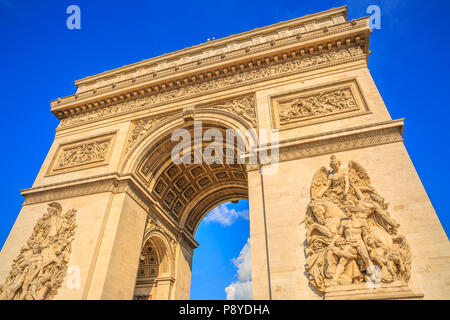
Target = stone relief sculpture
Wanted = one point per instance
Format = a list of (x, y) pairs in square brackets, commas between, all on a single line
[(324, 103), (350, 231), (139, 129), (39, 269), (85, 153), (243, 107)]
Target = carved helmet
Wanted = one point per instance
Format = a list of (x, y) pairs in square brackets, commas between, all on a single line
[(55, 205)]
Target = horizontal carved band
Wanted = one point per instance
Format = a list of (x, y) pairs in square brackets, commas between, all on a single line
[(228, 48), (81, 187), (359, 139), (262, 73)]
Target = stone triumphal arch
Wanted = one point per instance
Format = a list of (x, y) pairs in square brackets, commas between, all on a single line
[(340, 214)]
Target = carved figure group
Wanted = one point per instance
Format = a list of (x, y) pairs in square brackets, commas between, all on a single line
[(350, 231), (39, 269), (319, 104), (85, 153)]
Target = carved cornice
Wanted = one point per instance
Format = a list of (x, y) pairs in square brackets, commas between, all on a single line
[(267, 70), (113, 183), (86, 186), (308, 26), (340, 140), (129, 93)]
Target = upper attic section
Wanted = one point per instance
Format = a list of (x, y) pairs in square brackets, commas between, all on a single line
[(310, 35)]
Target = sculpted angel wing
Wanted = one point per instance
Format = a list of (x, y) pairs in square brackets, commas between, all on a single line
[(319, 181), (358, 175)]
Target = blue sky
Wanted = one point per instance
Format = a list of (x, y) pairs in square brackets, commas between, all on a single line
[(40, 59), (218, 262)]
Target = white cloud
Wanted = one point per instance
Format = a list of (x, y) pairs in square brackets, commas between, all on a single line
[(244, 263), (242, 288), (225, 216), (239, 291)]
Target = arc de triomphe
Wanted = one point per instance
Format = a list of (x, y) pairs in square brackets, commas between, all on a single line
[(341, 214)]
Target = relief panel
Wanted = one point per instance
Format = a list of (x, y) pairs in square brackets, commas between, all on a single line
[(40, 267), (82, 154), (317, 104)]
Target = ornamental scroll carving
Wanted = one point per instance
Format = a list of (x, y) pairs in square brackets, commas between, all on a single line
[(39, 269), (324, 103), (350, 233), (299, 64)]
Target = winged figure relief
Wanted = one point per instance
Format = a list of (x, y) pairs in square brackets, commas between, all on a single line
[(349, 230), (41, 266)]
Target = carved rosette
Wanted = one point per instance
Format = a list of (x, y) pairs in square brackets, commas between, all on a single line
[(41, 266), (351, 237)]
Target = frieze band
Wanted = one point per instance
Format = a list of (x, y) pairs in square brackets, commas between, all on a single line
[(299, 64)]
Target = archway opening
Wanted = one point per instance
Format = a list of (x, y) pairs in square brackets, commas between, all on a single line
[(182, 194), (221, 267), (153, 279)]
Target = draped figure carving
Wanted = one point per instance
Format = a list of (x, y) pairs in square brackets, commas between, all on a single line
[(39, 269), (350, 233)]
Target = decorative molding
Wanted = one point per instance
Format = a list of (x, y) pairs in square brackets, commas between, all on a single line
[(87, 186), (324, 30), (188, 114), (199, 112), (347, 139), (41, 266), (271, 70), (243, 107), (154, 225), (82, 154), (296, 30)]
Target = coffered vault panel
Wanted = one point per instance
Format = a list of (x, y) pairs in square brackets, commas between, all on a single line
[(176, 187)]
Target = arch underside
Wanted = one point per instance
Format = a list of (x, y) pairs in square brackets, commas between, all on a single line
[(186, 192), (152, 263)]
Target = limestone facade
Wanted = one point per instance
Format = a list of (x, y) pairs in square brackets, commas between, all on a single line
[(136, 212)]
